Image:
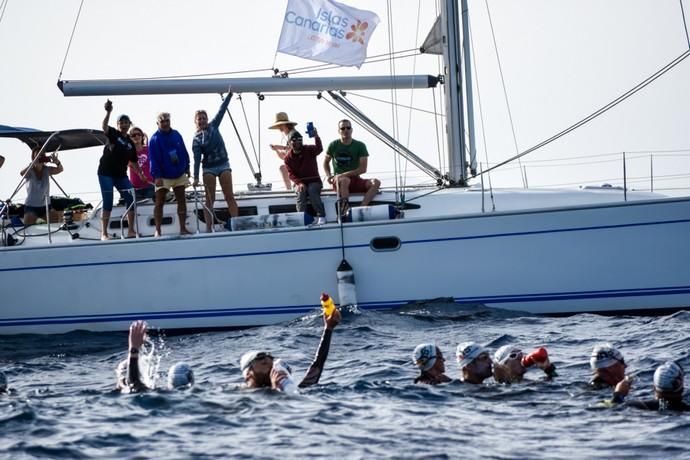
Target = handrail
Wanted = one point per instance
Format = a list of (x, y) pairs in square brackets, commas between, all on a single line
[(124, 214)]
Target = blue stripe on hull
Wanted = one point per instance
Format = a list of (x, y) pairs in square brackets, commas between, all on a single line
[(300, 310)]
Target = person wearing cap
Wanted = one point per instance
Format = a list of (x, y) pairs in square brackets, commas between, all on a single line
[(112, 170), (286, 127), (257, 366), (608, 366), (129, 380), (669, 382), (209, 150), (303, 170), (474, 362), (510, 364), (170, 170), (431, 363), (37, 175), (350, 158)]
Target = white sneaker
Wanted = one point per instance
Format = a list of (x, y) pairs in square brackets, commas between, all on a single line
[(321, 221)]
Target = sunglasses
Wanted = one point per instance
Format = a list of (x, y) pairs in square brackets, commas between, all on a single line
[(165, 120), (136, 135), (345, 128)]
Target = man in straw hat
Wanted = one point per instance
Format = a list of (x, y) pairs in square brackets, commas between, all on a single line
[(283, 124)]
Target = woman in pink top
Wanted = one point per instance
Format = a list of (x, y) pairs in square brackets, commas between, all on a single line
[(142, 189)]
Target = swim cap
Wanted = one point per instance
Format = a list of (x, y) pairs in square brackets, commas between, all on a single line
[(668, 377), (505, 353), (468, 352), (248, 359), (424, 356), (180, 375), (3, 382), (604, 355)]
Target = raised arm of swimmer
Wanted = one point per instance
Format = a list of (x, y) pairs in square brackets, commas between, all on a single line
[(316, 368)]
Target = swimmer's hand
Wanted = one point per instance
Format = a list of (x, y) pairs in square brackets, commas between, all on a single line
[(330, 322), (623, 387), (277, 378), (137, 334)]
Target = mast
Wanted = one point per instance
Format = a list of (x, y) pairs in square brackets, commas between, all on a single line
[(455, 123), (468, 86)]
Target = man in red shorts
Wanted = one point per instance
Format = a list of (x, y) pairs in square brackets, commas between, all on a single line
[(349, 158)]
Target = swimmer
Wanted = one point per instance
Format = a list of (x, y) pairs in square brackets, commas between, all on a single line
[(180, 375), (474, 362), (510, 365), (430, 361), (257, 366), (669, 380), (608, 366), (3, 383)]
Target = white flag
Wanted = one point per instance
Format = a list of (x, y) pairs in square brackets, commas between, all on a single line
[(327, 31)]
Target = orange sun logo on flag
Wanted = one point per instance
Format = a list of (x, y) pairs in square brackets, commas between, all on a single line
[(357, 32)]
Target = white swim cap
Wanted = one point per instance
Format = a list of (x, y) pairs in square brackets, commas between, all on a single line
[(424, 356), (604, 355), (505, 353), (468, 352), (180, 375), (669, 377), (248, 359)]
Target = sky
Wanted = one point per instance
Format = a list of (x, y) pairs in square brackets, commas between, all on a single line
[(560, 62)]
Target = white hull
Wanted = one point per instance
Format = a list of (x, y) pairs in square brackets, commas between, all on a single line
[(602, 256)]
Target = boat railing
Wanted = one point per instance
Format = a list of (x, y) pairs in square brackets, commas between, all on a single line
[(133, 204)]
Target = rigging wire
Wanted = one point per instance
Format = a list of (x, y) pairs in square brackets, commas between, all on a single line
[(503, 84), (409, 107), (599, 111), (71, 37), (394, 96), (481, 119), (249, 131), (3, 7), (685, 25)]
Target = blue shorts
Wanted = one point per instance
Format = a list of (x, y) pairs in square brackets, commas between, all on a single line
[(218, 170), (123, 185)]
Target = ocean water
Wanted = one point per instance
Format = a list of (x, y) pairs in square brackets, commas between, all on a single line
[(62, 403)]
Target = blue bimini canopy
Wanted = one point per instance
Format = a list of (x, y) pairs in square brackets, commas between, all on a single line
[(64, 140)]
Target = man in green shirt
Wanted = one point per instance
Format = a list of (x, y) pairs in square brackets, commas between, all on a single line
[(349, 158)]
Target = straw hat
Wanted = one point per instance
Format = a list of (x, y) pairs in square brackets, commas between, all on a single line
[(281, 119)]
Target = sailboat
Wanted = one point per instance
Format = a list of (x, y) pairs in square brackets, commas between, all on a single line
[(598, 249)]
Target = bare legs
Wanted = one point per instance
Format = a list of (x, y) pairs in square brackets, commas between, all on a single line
[(286, 177), (372, 189), (225, 180), (181, 209)]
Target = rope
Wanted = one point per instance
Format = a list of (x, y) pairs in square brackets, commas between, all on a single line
[(71, 37), (503, 84), (394, 95), (685, 25), (599, 111)]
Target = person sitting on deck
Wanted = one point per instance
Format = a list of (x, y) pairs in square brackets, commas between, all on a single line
[(474, 362), (608, 366), (669, 381), (510, 364), (180, 375), (303, 170), (257, 366), (430, 361), (350, 158)]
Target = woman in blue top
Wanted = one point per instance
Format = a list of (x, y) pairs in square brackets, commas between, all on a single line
[(209, 150)]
